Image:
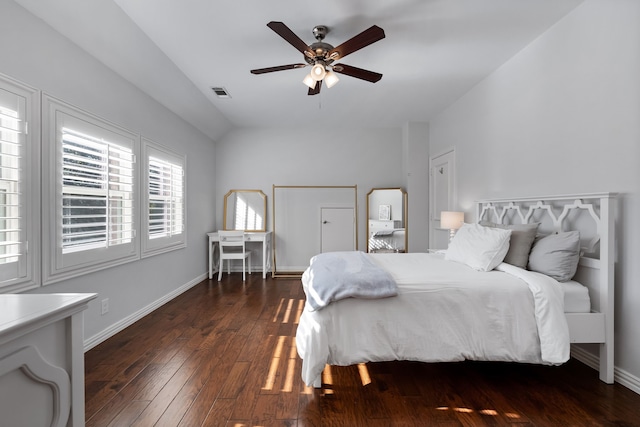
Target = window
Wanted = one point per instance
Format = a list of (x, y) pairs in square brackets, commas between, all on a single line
[(164, 207), (19, 192), (92, 221)]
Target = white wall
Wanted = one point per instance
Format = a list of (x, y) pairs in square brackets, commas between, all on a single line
[(261, 158), (563, 116), (38, 56), (415, 139)]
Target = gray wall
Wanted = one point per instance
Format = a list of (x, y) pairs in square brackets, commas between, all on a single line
[(562, 117), (38, 56), (261, 158)]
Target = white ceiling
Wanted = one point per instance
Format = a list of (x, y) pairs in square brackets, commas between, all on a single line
[(176, 50)]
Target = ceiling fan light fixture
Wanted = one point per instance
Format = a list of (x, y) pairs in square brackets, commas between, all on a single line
[(318, 71), (309, 81), (331, 79)]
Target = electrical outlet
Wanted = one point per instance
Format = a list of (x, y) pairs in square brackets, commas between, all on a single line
[(105, 306)]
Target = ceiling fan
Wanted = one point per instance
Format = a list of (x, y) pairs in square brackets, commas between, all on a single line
[(321, 56)]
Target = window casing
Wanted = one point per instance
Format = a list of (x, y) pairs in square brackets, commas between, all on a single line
[(19, 189), (163, 213), (93, 216)]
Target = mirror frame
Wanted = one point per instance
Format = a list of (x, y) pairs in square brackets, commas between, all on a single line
[(405, 215), (264, 209)]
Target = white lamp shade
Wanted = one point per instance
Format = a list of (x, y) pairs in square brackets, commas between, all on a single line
[(451, 220), (331, 79), (308, 80), (318, 72)]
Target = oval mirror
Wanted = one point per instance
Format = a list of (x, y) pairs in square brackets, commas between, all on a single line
[(387, 220), (245, 210)]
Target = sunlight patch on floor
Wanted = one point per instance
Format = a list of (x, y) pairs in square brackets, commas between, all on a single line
[(364, 374), (275, 360), (285, 309), (291, 366), (287, 312), (489, 412), (327, 379), (299, 313)]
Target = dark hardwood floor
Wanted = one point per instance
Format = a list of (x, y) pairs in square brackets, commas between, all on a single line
[(223, 354)]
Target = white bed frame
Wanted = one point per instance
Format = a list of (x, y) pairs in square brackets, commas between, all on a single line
[(596, 267)]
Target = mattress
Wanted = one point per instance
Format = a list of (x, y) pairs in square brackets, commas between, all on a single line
[(576, 297)]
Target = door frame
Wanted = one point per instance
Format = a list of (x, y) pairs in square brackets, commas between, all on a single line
[(453, 201)]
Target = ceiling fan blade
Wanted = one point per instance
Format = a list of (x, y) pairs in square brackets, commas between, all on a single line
[(358, 73), (365, 38), (285, 32), (278, 68), (316, 89)]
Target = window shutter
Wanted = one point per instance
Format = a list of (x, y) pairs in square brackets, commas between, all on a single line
[(19, 190), (165, 198), (11, 147), (97, 182), (165, 204)]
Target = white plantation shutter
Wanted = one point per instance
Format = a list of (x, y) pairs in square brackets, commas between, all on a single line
[(165, 204), (92, 222), (11, 147), (97, 193), (165, 198), (18, 194)]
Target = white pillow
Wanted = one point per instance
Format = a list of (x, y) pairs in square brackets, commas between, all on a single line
[(481, 248)]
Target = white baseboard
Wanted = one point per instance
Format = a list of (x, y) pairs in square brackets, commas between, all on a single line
[(130, 320), (619, 375)]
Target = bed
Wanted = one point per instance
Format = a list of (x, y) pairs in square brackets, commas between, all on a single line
[(447, 309)]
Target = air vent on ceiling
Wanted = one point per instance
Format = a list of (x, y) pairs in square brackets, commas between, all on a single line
[(221, 92)]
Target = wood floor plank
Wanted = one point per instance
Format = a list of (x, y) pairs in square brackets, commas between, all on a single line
[(235, 381), (127, 416), (223, 354), (151, 378), (188, 393), (160, 403), (219, 414)]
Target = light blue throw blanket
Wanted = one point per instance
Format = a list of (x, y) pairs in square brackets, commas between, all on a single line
[(333, 276)]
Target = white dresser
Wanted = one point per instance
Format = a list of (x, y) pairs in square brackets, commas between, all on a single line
[(42, 359), (382, 225)]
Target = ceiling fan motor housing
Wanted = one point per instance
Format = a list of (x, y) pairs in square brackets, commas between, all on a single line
[(320, 31), (319, 48)]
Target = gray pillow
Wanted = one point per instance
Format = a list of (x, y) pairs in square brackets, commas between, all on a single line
[(522, 236), (556, 255)]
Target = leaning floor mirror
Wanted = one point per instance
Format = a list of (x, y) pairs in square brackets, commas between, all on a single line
[(245, 210), (387, 220)]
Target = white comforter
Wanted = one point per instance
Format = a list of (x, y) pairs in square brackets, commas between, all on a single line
[(444, 311)]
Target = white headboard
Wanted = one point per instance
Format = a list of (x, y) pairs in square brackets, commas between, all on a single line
[(593, 216)]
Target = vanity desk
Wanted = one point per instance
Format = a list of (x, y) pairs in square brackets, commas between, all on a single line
[(251, 237)]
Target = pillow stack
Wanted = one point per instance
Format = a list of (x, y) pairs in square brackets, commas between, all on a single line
[(484, 246)]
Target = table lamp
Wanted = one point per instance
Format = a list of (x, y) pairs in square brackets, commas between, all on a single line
[(452, 221)]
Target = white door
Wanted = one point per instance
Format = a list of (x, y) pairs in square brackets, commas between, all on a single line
[(338, 229), (441, 196)]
